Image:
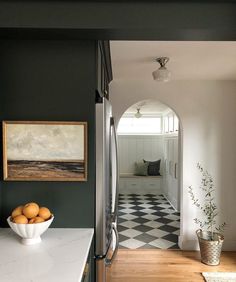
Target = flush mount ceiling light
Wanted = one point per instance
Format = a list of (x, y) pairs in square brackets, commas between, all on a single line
[(138, 114), (162, 74)]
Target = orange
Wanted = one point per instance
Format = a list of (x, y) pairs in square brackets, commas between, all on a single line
[(38, 219), (32, 220), (44, 213), (17, 211), (32, 203), (20, 219), (30, 210)]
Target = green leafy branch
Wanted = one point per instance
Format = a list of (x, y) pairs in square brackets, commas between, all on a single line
[(208, 207)]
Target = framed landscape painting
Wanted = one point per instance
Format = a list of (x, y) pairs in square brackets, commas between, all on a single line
[(45, 151)]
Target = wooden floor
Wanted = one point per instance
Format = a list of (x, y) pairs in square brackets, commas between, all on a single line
[(164, 265)]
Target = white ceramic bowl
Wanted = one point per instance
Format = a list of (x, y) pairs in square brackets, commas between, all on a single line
[(30, 233)]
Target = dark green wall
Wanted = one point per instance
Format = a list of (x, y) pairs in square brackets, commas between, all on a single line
[(50, 80), (120, 19)]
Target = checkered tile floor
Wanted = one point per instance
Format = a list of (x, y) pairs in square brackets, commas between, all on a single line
[(147, 222)]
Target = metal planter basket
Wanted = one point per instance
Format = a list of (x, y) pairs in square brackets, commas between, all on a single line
[(210, 249)]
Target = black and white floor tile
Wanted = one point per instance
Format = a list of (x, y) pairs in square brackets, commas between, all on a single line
[(147, 222)]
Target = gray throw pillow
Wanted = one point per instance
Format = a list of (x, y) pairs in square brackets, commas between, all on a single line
[(153, 167), (141, 169)]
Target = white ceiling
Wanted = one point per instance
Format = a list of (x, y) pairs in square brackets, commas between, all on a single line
[(188, 60), (148, 107)]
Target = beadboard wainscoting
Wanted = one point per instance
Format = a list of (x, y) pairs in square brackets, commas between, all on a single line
[(135, 148)]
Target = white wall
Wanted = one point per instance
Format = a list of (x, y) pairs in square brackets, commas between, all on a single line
[(207, 110), (135, 148)]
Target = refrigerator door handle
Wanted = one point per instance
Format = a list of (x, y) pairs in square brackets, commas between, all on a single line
[(108, 261), (114, 214)]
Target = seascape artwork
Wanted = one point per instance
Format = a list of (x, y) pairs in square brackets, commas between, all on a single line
[(44, 151)]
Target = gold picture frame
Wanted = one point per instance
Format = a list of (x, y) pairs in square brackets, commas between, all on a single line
[(44, 151)]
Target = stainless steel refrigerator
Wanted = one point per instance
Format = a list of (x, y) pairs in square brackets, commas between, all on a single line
[(106, 236)]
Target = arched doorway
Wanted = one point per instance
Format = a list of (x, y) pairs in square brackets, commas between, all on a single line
[(149, 137)]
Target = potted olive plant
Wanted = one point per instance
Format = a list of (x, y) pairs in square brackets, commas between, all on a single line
[(210, 236)]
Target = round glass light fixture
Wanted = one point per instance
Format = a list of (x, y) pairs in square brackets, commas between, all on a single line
[(162, 74), (138, 114)]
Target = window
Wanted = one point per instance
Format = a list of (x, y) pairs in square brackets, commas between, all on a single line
[(171, 123), (140, 126), (166, 124), (176, 124)]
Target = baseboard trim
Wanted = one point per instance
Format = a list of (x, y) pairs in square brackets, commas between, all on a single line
[(229, 245), (170, 202), (192, 245), (188, 245)]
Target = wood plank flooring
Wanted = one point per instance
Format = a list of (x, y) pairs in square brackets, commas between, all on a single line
[(164, 265)]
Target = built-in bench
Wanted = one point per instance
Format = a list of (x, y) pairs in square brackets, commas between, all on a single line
[(130, 183)]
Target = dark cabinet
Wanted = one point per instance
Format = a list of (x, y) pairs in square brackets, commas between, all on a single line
[(104, 68)]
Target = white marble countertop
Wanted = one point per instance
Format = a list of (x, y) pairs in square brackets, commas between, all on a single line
[(60, 257)]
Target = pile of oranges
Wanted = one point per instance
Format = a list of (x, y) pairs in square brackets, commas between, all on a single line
[(30, 213)]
